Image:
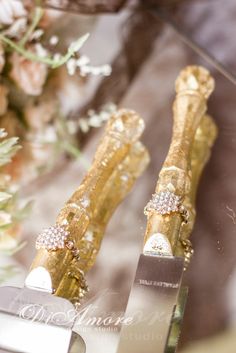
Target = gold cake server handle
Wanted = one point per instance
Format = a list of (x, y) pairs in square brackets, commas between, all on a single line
[(166, 211), (116, 189), (59, 246), (158, 280)]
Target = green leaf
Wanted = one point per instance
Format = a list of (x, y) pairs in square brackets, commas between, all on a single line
[(6, 145), (4, 196), (5, 218), (73, 48), (77, 45), (8, 148)]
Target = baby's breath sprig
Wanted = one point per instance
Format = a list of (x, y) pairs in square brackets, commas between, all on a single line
[(95, 119), (54, 61)]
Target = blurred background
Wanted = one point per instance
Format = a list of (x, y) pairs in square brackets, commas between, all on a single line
[(131, 60)]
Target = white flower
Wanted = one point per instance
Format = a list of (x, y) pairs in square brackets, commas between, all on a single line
[(37, 34), (40, 50), (54, 40), (71, 66), (10, 10), (95, 121), (17, 28), (83, 60), (104, 70), (83, 124)]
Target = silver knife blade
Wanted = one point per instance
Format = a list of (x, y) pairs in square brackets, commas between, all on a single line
[(151, 304)]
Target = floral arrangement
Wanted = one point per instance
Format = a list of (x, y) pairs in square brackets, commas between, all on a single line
[(35, 80), (35, 106)]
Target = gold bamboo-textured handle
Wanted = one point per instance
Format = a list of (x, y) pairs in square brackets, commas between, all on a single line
[(122, 132), (193, 87), (117, 187)]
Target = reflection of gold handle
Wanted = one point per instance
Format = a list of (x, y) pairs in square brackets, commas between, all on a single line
[(193, 86), (203, 142), (123, 130)]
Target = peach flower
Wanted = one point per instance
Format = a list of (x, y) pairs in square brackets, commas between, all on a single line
[(29, 75), (37, 115)]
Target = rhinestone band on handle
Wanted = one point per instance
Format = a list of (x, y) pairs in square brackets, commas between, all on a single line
[(165, 203), (55, 238)]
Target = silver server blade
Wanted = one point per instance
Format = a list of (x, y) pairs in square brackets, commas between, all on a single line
[(151, 305), (33, 321)]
